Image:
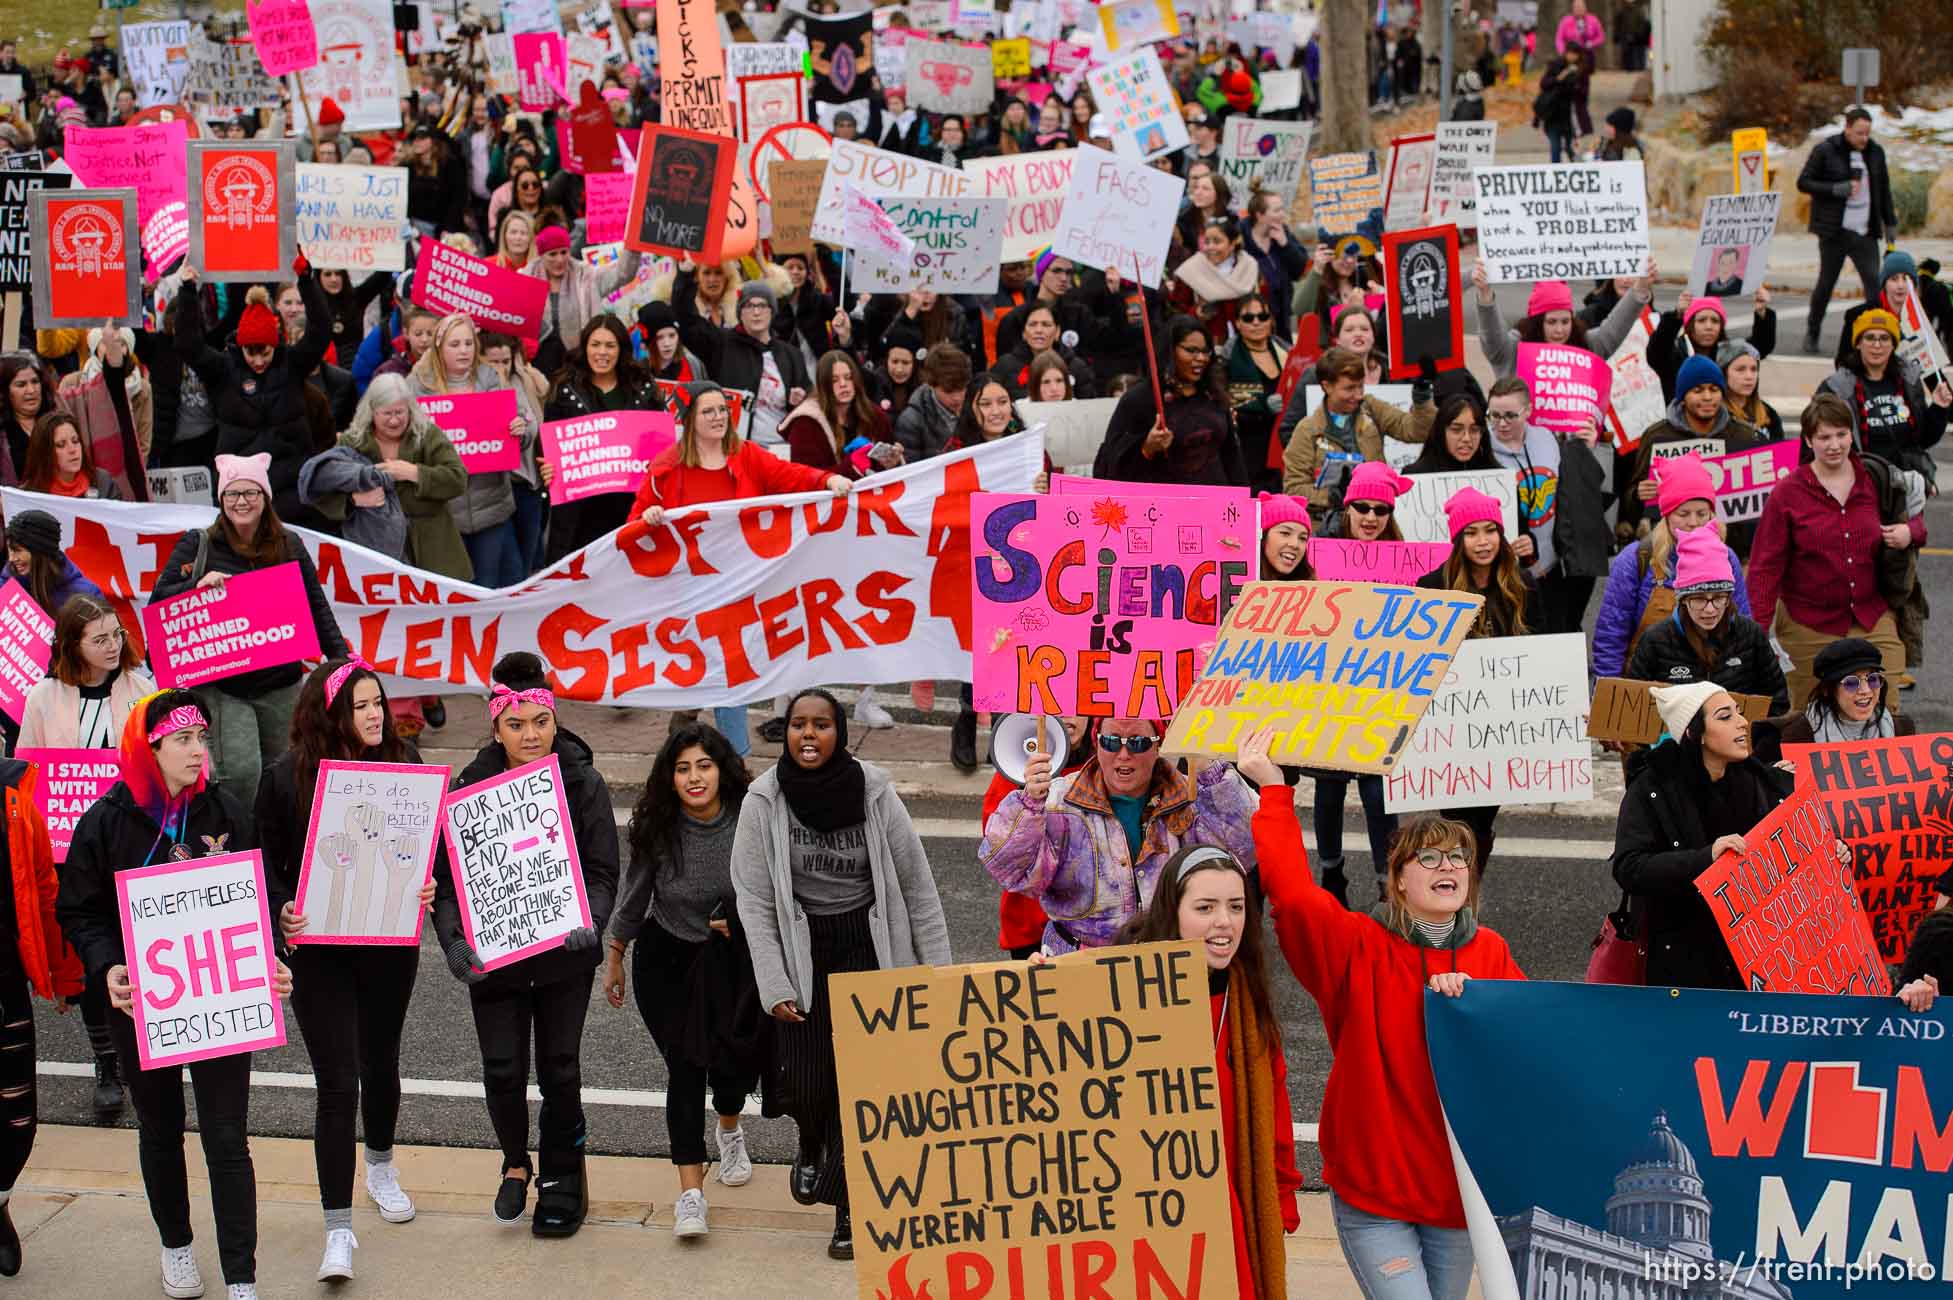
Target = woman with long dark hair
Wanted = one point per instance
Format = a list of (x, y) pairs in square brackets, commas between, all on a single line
[(35, 557), (60, 463), (1251, 362), (600, 375), (1193, 439), (350, 1000), (1216, 278), (1457, 439), (26, 390), (692, 972), (824, 429)]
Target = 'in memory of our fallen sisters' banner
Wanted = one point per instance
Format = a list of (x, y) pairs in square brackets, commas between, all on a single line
[(513, 855), (1342, 671), (26, 642), (1574, 221), (260, 619), (71, 781)]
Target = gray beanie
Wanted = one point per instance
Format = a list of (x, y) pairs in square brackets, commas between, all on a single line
[(758, 289), (1732, 349)]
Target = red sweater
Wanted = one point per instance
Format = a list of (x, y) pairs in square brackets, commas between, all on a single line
[(1020, 917), (1382, 1131), (756, 472), (1820, 558), (1287, 1177)]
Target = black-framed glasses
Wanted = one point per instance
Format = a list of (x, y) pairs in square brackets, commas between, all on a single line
[(1131, 744), (1863, 682), (242, 496), (1505, 417), (1372, 508), (1432, 859)]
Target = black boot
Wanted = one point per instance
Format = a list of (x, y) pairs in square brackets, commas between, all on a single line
[(10, 1244), (841, 1244), (803, 1180), (435, 711), (109, 1096), (962, 741), (773, 731), (562, 1196), (1335, 881)]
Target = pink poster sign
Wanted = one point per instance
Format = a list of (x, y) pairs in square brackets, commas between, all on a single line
[(512, 856), (505, 302), (540, 61), (1103, 605), (283, 32), (606, 205), (1064, 485), (26, 640), (254, 620), (1342, 559), (153, 159), (200, 956), (478, 426), (70, 782), (1745, 479), (165, 238), (1570, 386), (594, 454)]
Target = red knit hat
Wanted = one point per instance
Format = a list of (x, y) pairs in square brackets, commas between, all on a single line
[(330, 114), (258, 327)]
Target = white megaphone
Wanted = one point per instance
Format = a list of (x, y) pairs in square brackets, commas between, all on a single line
[(1015, 739)]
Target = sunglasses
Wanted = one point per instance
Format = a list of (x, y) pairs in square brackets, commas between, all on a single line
[(1372, 508), (1865, 682), (1253, 317), (1131, 744)]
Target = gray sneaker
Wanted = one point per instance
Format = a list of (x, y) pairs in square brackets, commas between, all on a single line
[(690, 1218), (735, 1165)]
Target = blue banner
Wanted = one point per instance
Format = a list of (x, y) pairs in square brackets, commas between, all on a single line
[(1643, 1143)]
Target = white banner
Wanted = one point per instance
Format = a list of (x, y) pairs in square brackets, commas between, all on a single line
[(156, 60), (1420, 511), (1509, 726), (357, 65), (878, 174), (351, 218), (1576, 221), (721, 604)]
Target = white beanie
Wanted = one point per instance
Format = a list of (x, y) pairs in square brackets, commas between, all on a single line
[(1678, 705)]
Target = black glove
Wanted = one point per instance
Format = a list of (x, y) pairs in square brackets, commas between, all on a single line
[(1427, 380), (464, 962), (583, 939)]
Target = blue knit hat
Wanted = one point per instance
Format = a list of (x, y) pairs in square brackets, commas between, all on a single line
[(1697, 371), (1898, 262)]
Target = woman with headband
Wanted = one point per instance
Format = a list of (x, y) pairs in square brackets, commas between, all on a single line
[(166, 808), (350, 999), (543, 998)]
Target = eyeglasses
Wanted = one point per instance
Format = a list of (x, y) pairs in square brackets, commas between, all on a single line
[(107, 640), (242, 496), (1372, 508), (1131, 744), (1433, 859), (1505, 417), (1253, 317), (1865, 682)]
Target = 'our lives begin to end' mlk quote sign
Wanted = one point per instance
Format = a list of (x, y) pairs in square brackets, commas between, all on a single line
[(513, 854)]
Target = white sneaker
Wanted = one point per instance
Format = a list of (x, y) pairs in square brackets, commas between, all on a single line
[(181, 1279), (338, 1261), (690, 1218), (871, 714), (383, 1187), (241, 1291), (735, 1165)]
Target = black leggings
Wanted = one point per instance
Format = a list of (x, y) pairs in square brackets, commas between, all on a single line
[(813, 1096), (19, 1111), (660, 965), (508, 1014), (351, 1002)]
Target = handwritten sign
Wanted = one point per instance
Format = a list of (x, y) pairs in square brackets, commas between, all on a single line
[(26, 642), (1570, 385), (226, 76), (1420, 511), (879, 174), (16, 229), (1343, 671), (1011, 60), (595, 454), (1573, 221), (152, 159), (512, 852), (679, 201), (1346, 196), (1118, 214), (794, 188), (1635, 401), (1262, 155), (954, 246), (357, 66), (478, 426), (1137, 22), (1623, 710), (1463, 147), (607, 205), (199, 944), (508, 302), (350, 217), (260, 619), (948, 76), (1131, 1192), (368, 850), (691, 68), (71, 780), (1032, 186), (156, 60), (283, 32), (1732, 245), (1142, 114), (1339, 559), (1788, 909), (1407, 182)]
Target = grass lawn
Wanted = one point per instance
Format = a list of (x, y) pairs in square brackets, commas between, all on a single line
[(42, 27)]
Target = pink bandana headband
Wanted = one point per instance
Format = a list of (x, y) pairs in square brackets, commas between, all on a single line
[(505, 699), (179, 719), (339, 676)]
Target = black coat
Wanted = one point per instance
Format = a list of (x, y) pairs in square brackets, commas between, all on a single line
[(1205, 448), (282, 819), (575, 524), (179, 575), (1827, 177), (1931, 952), (732, 357), (1581, 538), (1668, 349), (1748, 665)]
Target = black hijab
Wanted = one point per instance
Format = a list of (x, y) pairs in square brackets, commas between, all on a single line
[(833, 796)]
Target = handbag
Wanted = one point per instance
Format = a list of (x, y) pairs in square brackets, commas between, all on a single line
[(1620, 949)]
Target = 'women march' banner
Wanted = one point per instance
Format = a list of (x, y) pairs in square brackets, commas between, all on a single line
[(1619, 1140)]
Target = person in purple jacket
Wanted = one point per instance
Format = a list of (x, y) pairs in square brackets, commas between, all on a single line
[(1090, 845), (1638, 593)]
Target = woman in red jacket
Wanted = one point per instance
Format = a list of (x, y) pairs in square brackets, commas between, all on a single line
[(713, 463), (1395, 1196)]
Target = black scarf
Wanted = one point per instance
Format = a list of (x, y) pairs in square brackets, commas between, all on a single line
[(833, 796)]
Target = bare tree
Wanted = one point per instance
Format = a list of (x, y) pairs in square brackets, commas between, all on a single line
[(1344, 29)]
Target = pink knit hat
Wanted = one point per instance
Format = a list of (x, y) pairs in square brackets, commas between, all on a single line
[(551, 238), (1703, 304), (1279, 509), (1684, 478), (1702, 563), (1549, 295), (244, 469), (1469, 506), (1374, 480)]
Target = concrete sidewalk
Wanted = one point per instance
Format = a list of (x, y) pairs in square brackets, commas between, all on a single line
[(86, 1232)]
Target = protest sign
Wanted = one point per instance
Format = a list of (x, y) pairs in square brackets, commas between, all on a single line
[(586, 137), (1462, 148), (1745, 479), (349, 218), (1118, 213), (283, 32), (1128, 23), (357, 64), (1142, 115), (938, 1216), (531, 16), (1011, 60), (26, 641), (241, 209), (1342, 671), (1574, 221), (1890, 800), (498, 54), (841, 55), (1074, 429), (87, 270), (1623, 710), (1281, 88), (606, 206), (1068, 61), (478, 426), (1420, 512), (1732, 245), (795, 191), (1919, 343), (71, 780), (583, 65), (679, 202), (152, 159), (1787, 907), (1424, 302), (1507, 727), (955, 247), (892, 56), (1635, 402), (1032, 186), (182, 483), (1407, 181), (1346, 195), (156, 60), (513, 857), (199, 943), (226, 76), (1099, 606), (540, 62), (260, 619), (1262, 155), (879, 174), (691, 68), (368, 850), (16, 230), (761, 59), (507, 302), (1340, 559), (595, 454), (1792, 1137), (767, 102), (1570, 386), (948, 76)]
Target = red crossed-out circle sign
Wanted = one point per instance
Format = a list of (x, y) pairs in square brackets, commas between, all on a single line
[(790, 141)]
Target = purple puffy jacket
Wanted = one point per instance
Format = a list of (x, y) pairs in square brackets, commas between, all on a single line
[(1623, 600)]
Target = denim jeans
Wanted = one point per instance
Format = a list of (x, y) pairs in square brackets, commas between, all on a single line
[(496, 555), (1393, 1260), (732, 724), (1331, 789), (1560, 143), (531, 525)]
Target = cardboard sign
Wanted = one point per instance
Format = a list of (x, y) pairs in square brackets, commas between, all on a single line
[(595, 454), (1342, 670), (879, 174), (26, 642), (512, 852), (954, 247), (1115, 1172), (1142, 114), (1074, 429), (1261, 155), (1570, 386), (1887, 799), (1732, 245), (1118, 213), (1420, 511), (152, 159), (1623, 710), (357, 64), (1100, 605), (607, 206), (1011, 60), (156, 60), (1032, 186), (1137, 22), (1346, 196), (1745, 479), (795, 191), (1463, 147), (1635, 401), (88, 269), (478, 426), (678, 204), (283, 32), (1574, 221), (1424, 305), (199, 943), (260, 619), (241, 209), (1509, 726), (16, 229), (506, 302), (1407, 182), (949, 76), (226, 77), (691, 68), (350, 218), (1343, 559), (71, 780), (1788, 909), (1749, 157), (368, 850)]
